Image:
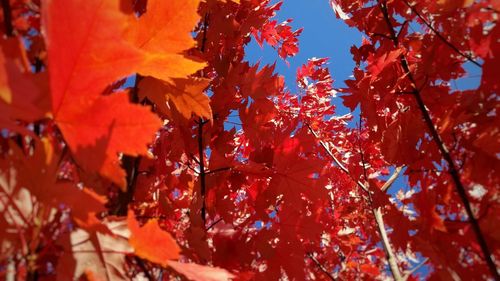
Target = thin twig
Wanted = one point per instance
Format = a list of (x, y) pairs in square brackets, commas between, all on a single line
[(440, 36), (205, 27), (377, 212), (321, 267), (379, 219), (213, 224), (339, 164), (218, 170)]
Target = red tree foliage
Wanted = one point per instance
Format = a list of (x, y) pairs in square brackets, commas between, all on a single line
[(120, 158)]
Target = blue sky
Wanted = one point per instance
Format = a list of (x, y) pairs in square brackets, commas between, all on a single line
[(323, 36)]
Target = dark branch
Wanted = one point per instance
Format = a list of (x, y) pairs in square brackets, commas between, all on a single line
[(218, 170), (7, 18), (213, 224), (202, 174), (444, 151), (321, 267), (440, 36), (131, 166)]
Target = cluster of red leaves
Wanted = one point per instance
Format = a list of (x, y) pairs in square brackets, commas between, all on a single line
[(120, 158), (446, 137)]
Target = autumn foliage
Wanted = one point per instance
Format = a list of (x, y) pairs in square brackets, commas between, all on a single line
[(137, 143)]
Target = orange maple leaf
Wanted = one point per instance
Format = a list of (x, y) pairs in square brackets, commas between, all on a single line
[(93, 43), (21, 92), (186, 94), (151, 242)]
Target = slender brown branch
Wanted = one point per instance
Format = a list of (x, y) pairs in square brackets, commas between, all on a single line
[(202, 174), (440, 36), (321, 267), (218, 170), (213, 224), (205, 27), (11, 202), (7, 18), (143, 267), (444, 152), (331, 155), (131, 166), (201, 149), (377, 212)]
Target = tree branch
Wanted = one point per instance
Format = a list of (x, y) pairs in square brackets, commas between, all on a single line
[(379, 219), (7, 18), (415, 268), (392, 179), (389, 252), (209, 172), (440, 36), (339, 164), (377, 212), (202, 174), (130, 164), (444, 151), (213, 224), (320, 266)]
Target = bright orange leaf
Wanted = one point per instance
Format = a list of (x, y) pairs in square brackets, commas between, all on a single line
[(151, 242), (21, 92), (93, 43), (198, 272), (186, 94)]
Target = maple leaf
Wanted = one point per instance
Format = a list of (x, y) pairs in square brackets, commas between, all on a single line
[(450, 5), (94, 43), (163, 34), (278, 204), (489, 80), (151, 242), (40, 178), (279, 36), (21, 92), (186, 94), (98, 254), (198, 272), (338, 10), (112, 125), (378, 64)]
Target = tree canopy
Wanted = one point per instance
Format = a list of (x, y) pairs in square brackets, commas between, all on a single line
[(137, 142)]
